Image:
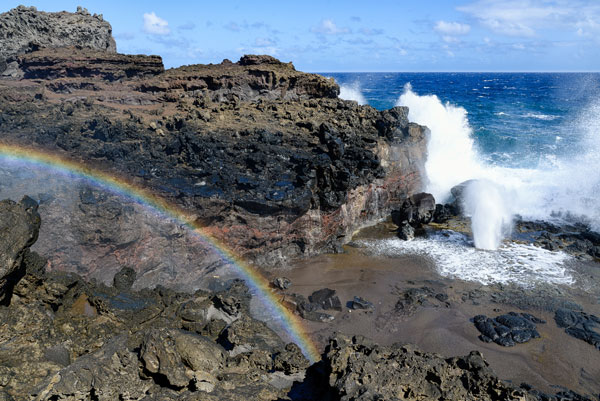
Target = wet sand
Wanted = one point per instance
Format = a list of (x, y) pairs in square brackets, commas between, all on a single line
[(555, 359)]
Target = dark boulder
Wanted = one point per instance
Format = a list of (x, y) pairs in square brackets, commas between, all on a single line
[(124, 279), (326, 299), (580, 325), (507, 330), (417, 210), (406, 231)]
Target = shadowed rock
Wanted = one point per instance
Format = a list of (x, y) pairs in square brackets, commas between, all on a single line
[(19, 227)]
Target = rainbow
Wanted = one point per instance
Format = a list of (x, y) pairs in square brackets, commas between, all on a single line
[(290, 322)]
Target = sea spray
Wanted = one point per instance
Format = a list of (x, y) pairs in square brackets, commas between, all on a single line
[(352, 92), (451, 157), (487, 204)]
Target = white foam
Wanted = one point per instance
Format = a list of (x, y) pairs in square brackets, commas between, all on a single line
[(352, 92), (454, 257), (540, 116), (451, 158)]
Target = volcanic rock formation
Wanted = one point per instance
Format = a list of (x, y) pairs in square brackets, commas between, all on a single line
[(64, 338), (267, 158)]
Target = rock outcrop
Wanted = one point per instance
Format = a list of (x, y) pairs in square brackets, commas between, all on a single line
[(25, 29), (361, 370), (270, 161), (19, 225)]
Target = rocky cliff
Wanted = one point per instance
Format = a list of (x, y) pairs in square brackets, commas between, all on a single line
[(266, 157), (24, 29)]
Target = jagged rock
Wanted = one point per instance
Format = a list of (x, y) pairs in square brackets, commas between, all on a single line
[(507, 330), (19, 225), (580, 325), (326, 299), (290, 360), (282, 283), (24, 29), (361, 370)]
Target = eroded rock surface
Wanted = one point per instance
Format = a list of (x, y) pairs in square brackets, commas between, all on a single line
[(24, 29), (361, 370)]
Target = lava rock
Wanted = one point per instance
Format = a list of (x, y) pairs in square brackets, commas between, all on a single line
[(444, 212), (124, 279), (580, 325), (406, 232), (417, 210), (362, 371), (509, 329), (413, 298), (359, 303), (19, 225), (326, 299), (282, 283)]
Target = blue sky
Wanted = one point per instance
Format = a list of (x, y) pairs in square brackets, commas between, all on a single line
[(331, 36)]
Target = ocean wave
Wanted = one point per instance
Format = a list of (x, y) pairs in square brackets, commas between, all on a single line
[(540, 116)]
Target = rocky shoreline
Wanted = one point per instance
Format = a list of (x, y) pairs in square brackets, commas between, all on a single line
[(99, 292), (64, 338)]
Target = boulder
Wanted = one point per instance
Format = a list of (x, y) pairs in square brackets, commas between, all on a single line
[(326, 299), (19, 225), (416, 210), (579, 324), (124, 279), (282, 283), (509, 329)]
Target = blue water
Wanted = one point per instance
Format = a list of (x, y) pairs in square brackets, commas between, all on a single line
[(518, 119)]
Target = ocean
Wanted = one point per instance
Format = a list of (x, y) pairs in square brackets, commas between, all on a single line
[(532, 140)]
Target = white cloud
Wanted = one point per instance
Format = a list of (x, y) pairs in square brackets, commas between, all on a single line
[(451, 28), (328, 27), (526, 18), (155, 25), (263, 42)]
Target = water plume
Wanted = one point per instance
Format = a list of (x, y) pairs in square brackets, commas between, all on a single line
[(352, 92)]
